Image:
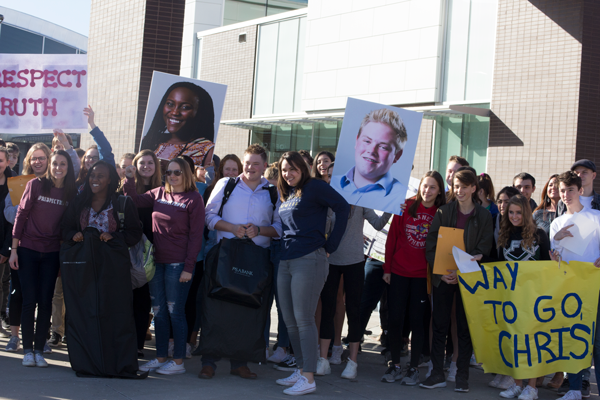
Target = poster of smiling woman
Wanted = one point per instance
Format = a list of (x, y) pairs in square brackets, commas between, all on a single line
[(182, 117), (375, 155)]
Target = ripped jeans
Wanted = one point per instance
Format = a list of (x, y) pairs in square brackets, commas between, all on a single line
[(169, 295)]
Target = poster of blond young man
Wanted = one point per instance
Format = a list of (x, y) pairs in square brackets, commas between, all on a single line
[(375, 155)]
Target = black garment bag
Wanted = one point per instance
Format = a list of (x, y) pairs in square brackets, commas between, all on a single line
[(99, 307)]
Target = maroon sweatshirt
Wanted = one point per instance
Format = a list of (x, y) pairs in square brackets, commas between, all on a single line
[(37, 224), (177, 223)]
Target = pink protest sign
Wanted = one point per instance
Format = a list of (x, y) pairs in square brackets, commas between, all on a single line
[(41, 92)]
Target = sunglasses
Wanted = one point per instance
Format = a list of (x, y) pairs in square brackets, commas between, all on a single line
[(177, 172)]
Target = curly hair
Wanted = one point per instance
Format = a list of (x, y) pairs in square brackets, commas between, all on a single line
[(529, 233)]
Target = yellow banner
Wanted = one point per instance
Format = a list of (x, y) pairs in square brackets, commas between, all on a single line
[(529, 319)]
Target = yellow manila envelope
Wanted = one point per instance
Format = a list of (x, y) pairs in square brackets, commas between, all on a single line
[(532, 318), (447, 239), (16, 187)]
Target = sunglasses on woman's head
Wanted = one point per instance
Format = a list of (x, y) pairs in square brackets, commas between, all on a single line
[(169, 172)]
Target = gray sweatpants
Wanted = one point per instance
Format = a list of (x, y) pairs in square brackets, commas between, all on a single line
[(299, 285)]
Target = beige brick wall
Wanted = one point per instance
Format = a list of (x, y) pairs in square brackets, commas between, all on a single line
[(225, 60), (114, 60), (536, 89), (422, 161)]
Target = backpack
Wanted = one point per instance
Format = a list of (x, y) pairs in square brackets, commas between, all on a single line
[(141, 254), (231, 184)]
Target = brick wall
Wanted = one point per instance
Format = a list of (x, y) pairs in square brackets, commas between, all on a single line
[(128, 40), (588, 118), (230, 62), (536, 89), (422, 161), (114, 60)]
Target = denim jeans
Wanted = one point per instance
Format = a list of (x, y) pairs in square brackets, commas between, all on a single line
[(283, 339), (37, 273), (372, 290), (169, 295), (584, 375), (299, 283)]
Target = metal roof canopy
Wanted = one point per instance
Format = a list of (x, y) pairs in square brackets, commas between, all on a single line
[(334, 117)]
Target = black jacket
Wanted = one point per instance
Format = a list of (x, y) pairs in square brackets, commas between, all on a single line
[(130, 234), (5, 226), (478, 232)]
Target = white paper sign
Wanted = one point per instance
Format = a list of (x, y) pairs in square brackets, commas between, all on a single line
[(582, 231), (41, 92), (463, 261)]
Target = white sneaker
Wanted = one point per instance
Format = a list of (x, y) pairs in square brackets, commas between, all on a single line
[(351, 370), (473, 361), (290, 380), (336, 355), (170, 368), (301, 387), (188, 350), (4, 333), (29, 360), (512, 392), (452, 372), (323, 367), (171, 349), (506, 382), (152, 365), (529, 393), (496, 381), (40, 361), (278, 356), (429, 369), (572, 395)]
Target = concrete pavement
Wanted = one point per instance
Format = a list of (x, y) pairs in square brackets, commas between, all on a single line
[(59, 381)]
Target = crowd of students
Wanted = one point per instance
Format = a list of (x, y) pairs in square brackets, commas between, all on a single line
[(330, 259)]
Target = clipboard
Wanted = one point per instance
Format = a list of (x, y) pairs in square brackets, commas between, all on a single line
[(447, 239), (16, 187)]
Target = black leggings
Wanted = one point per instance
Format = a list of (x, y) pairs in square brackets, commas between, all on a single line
[(15, 300), (354, 276), (141, 312), (406, 294)]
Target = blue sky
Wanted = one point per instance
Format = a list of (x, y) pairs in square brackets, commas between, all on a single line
[(70, 14)]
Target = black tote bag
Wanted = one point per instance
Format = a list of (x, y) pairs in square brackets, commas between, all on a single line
[(240, 272)]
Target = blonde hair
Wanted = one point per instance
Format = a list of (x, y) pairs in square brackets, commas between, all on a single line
[(391, 119), (155, 180), (188, 179), (27, 170)]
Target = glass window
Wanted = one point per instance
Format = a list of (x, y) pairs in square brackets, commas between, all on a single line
[(463, 135), (245, 10), (281, 138), (326, 137), (54, 47), (470, 43), (17, 41), (279, 66)]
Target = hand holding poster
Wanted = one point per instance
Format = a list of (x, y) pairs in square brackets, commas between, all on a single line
[(41, 92), (375, 155), (182, 117), (530, 319)]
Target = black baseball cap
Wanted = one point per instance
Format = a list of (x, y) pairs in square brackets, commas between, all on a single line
[(585, 164)]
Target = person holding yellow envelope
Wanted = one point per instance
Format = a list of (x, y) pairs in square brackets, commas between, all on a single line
[(467, 214)]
